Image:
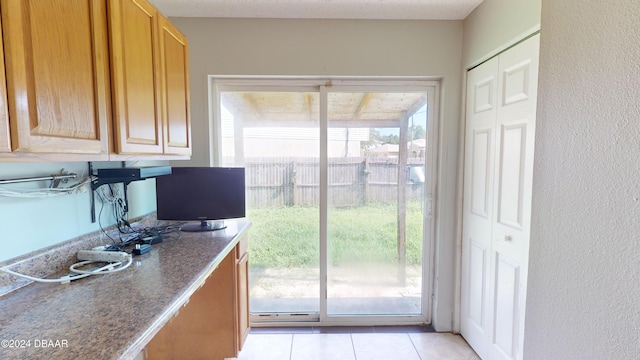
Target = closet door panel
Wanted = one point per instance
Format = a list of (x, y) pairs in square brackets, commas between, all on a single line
[(481, 170), (507, 283), (516, 83), (482, 102), (511, 177), (478, 258), (514, 169)]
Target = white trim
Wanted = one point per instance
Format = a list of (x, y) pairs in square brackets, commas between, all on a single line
[(215, 121), (277, 319), (279, 83), (324, 202), (323, 85), (457, 290), (431, 192), (347, 321)]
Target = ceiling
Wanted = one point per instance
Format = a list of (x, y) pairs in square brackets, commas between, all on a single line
[(320, 9), (345, 109)]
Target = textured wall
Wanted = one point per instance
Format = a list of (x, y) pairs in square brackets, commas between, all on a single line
[(495, 24), (584, 285)]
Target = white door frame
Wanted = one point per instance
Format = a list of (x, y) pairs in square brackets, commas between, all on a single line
[(323, 86)]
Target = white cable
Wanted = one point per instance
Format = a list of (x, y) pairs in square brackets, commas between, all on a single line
[(62, 280), (109, 194), (107, 269), (41, 193)]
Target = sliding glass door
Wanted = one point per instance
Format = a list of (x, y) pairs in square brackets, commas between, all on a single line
[(375, 198), (275, 135), (339, 182)]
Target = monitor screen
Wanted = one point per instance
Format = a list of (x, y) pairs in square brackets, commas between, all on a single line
[(201, 194)]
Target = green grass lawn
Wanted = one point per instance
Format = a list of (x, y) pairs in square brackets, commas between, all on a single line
[(289, 236)]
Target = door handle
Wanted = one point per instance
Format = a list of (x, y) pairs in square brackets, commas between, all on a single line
[(243, 259)]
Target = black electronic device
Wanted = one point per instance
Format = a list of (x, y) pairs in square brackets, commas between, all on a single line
[(150, 240), (141, 249), (201, 193), (133, 173)]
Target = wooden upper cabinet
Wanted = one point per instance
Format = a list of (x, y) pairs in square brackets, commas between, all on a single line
[(174, 71), (135, 64), (56, 56), (5, 140)]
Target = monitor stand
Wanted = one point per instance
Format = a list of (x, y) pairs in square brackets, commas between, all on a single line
[(204, 226)]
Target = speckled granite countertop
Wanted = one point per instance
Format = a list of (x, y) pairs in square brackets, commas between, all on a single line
[(112, 316)]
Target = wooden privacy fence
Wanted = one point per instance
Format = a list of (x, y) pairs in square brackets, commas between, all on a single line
[(353, 181)]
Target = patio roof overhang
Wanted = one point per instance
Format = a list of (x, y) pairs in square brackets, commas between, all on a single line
[(301, 109)]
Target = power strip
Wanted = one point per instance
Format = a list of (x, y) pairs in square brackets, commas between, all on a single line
[(101, 255)]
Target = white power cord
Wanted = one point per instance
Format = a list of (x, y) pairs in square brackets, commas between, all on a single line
[(63, 280), (41, 193), (106, 269), (110, 196)]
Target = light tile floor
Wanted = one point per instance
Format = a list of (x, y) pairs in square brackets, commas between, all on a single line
[(356, 346)]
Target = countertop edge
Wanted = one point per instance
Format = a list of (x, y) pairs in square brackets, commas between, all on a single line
[(141, 342)]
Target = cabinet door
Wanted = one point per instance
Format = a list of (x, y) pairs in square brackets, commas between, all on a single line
[(5, 142), (134, 70), (57, 75), (205, 327), (174, 66), (242, 288)]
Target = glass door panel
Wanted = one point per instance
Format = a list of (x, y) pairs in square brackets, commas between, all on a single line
[(275, 136), (376, 162), (362, 255)]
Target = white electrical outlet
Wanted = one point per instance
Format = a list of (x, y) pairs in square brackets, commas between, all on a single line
[(100, 255)]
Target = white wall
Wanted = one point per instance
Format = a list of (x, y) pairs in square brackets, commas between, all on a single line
[(583, 297), (340, 48), (496, 24), (30, 224)]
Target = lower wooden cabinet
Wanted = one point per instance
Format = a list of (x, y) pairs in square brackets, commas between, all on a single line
[(5, 140), (215, 321), (242, 288)]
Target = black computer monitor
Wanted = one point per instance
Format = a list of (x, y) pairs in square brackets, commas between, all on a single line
[(201, 194)]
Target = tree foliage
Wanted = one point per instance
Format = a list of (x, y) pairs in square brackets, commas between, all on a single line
[(376, 139)]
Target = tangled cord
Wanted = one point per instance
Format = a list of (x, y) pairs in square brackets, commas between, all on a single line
[(78, 273)]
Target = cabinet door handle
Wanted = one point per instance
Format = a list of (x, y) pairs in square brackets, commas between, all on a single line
[(243, 259)]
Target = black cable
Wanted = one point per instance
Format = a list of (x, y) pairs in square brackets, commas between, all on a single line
[(120, 215), (169, 231), (102, 201)]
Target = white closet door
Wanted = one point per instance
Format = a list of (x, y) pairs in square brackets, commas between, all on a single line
[(512, 198), (482, 94), (504, 283)]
